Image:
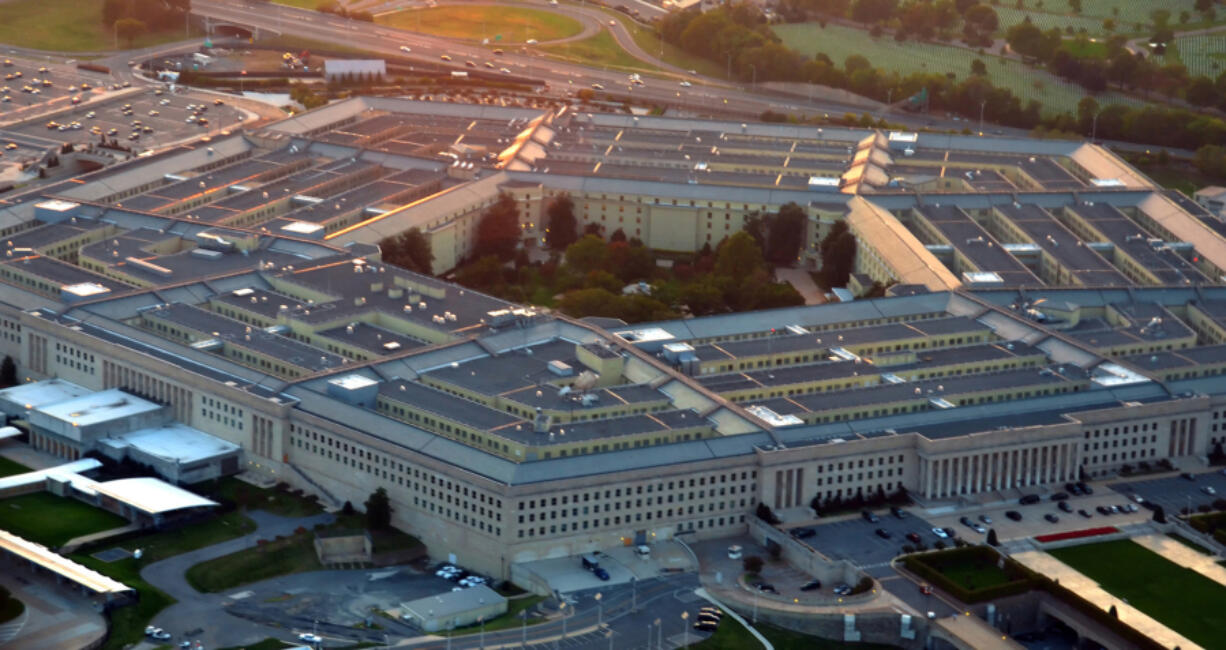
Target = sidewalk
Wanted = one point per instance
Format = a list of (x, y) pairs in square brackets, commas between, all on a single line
[(76, 542), (1180, 554), (1045, 564)]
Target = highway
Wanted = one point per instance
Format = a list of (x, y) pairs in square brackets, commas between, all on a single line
[(708, 96)]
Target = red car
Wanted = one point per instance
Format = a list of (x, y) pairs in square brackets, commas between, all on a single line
[(926, 590)]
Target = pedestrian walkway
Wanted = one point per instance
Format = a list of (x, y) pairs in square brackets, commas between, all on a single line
[(73, 544), (1180, 554), (1075, 581), (803, 283)]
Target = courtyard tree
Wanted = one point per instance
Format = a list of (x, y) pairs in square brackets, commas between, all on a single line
[(498, 231), (379, 510), (563, 229)]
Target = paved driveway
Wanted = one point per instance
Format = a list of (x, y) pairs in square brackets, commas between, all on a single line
[(1175, 493), (55, 616)]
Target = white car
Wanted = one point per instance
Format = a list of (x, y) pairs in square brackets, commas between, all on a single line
[(1208, 489), (531, 41), (686, 84), (162, 635), (405, 48), (940, 533), (307, 637), (734, 552)]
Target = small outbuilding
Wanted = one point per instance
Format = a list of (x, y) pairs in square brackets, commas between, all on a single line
[(454, 609)]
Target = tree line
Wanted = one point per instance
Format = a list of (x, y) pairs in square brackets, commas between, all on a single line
[(738, 35), (131, 18)]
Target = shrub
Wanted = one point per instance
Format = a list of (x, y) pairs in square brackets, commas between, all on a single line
[(753, 564)]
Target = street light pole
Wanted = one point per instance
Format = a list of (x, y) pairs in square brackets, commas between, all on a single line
[(755, 607), (981, 105), (523, 617), (634, 595), (659, 634), (1094, 128), (481, 620), (685, 629), (599, 610)]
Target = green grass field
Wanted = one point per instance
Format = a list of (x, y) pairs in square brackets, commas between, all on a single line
[(476, 22), (1178, 597), (838, 42), (128, 623), (66, 26), (669, 53), (276, 501), (11, 467), (731, 635), (1126, 13), (51, 520), (1203, 54), (294, 554), (598, 50)]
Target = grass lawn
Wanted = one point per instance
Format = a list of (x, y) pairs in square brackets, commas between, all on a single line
[(274, 500), (128, 623), (650, 42), (11, 467), (785, 639), (599, 50), (508, 620), (1189, 543), (838, 42), (968, 571), (1178, 597), (66, 25), (51, 520), (294, 554), (476, 22)]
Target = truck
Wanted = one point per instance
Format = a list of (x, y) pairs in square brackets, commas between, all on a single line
[(592, 563), (459, 74)]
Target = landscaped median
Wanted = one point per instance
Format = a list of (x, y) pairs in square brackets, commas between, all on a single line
[(1076, 534)]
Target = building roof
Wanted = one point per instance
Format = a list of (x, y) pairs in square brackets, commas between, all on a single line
[(60, 565), (453, 603), (102, 406), (151, 495), (175, 442), (34, 394)]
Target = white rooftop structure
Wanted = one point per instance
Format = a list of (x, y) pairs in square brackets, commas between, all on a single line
[(16, 400), (40, 475), (172, 442), (85, 289), (44, 557), (151, 495), (95, 408)]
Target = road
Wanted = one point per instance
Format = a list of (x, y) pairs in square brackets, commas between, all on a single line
[(562, 78)]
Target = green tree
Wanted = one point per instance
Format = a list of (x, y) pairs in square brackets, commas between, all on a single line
[(379, 510), (563, 229), (498, 232), (129, 29), (738, 256), (752, 564), (786, 234), (838, 253), (702, 297), (8, 372), (591, 302), (979, 67), (992, 539), (588, 254), (409, 250)]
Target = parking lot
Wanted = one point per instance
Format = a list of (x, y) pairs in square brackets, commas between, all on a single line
[(1175, 493), (56, 84), (856, 539), (159, 118)]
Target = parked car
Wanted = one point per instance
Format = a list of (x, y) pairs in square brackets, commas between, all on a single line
[(734, 552), (940, 532), (712, 611), (803, 533), (1014, 515), (950, 532), (1064, 506), (1029, 499), (882, 533), (869, 517), (1103, 510), (898, 512), (926, 590), (1208, 489), (914, 538), (1051, 518), (985, 519), (1085, 514), (1085, 489), (966, 521), (307, 637), (811, 585), (1187, 476), (1059, 496), (705, 626)]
